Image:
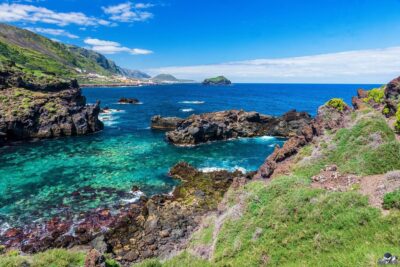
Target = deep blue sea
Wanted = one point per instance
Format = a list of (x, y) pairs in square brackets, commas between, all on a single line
[(38, 179)]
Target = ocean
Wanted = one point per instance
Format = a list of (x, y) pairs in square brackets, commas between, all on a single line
[(39, 180)]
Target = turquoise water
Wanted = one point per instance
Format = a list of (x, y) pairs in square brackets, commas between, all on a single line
[(39, 180)]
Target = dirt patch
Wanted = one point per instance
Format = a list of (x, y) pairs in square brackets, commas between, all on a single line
[(373, 186)]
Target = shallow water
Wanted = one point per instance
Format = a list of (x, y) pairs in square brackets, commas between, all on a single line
[(38, 180)]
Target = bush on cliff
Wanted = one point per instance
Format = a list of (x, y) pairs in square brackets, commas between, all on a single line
[(377, 95), (336, 103)]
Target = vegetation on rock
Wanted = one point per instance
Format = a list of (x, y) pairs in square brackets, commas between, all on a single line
[(336, 103), (219, 80), (376, 95)]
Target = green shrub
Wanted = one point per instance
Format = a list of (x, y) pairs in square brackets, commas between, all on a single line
[(377, 95), (385, 111), (397, 122), (392, 200), (336, 103)]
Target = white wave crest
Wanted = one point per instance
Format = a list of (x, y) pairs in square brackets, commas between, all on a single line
[(195, 102), (187, 110), (136, 197)]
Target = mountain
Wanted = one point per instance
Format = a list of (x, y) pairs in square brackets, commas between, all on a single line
[(32, 53), (168, 78), (136, 74)]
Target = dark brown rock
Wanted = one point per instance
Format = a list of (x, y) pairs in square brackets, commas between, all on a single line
[(125, 100), (330, 118), (225, 125), (165, 123), (94, 259), (392, 96)]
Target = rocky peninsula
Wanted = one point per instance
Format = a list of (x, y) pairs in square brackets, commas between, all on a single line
[(224, 125), (31, 108)]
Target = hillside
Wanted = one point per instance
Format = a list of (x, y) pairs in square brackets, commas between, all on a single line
[(38, 55), (168, 78)]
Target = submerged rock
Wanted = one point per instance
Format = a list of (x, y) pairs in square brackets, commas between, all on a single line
[(165, 123), (225, 125), (31, 110)]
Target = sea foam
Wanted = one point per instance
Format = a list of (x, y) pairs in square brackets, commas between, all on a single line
[(195, 102), (187, 110)]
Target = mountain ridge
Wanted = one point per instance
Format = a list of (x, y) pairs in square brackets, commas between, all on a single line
[(39, 55)]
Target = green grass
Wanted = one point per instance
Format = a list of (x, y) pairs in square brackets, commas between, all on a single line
[(306, 227), (182, 260), (205, 235), (354, 152), (49, 258), (392, 200)]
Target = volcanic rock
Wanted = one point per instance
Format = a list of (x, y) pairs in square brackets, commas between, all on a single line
[(230, 124), (165, 123), (125, 100)]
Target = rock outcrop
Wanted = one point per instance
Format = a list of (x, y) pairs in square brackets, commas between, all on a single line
[(220, 80), (392, 96), (165, 123), (125, 100), (30, 110), (225, 125), (332, 118)]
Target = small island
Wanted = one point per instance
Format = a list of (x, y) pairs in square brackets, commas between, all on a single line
[(220, 80)]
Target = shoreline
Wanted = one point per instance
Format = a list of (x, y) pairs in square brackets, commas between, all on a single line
[(122, 85)]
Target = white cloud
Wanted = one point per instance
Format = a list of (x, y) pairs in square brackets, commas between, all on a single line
[(55, 32), (97, 42), (138, 51), (128, 12), (33, 14), (110, 47), (362, 66), (143, 5)]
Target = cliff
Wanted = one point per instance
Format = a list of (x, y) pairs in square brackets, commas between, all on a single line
[(33, 108)]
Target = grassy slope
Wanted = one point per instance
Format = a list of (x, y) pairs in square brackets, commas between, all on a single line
[(39, 55), (301, 226)]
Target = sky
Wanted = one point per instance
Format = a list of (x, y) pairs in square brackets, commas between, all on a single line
[(308, 41)]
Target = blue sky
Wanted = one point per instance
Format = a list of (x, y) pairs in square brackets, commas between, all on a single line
[(250, 41)]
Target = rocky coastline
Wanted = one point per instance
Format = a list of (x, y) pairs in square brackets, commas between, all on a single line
[(150, 227), (32, 109)]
